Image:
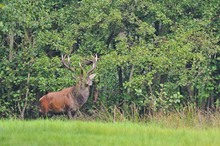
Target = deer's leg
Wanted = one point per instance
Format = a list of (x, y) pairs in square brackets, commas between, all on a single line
[(43, 110), (74, 113), (69, 114), (43, 114)]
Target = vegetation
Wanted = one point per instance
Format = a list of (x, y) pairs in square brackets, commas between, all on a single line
[(154, 55), (56, 132)]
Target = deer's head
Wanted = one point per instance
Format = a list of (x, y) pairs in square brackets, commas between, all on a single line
[(85, 77)]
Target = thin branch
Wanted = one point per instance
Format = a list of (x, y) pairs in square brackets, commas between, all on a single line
[(26, 99)]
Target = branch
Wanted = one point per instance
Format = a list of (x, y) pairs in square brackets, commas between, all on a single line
[(26, 98)]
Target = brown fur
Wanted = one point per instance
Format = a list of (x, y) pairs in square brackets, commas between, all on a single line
[(55, 101)]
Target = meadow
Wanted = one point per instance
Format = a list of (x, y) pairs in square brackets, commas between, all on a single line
[(92, 133)]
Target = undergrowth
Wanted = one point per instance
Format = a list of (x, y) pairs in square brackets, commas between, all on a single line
[(186, 117)]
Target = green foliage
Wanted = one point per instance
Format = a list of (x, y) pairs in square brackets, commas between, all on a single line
[(160, 55)]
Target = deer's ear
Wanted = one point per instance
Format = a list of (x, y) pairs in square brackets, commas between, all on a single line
[(92, 76)]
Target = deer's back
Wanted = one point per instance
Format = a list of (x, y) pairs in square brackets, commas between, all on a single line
[(57, 101)]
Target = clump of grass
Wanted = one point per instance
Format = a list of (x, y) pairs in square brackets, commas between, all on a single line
[(186, 117)]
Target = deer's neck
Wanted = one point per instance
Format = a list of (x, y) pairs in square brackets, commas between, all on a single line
[(80, 95)]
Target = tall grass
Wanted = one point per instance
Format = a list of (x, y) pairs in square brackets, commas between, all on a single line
[(186, 117), (66, 133)]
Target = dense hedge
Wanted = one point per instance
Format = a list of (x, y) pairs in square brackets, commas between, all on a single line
[(157, 55)]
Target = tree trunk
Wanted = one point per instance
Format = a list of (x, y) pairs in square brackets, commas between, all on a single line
[(120, 80), (11, 45), (22, 109), (130, 77)]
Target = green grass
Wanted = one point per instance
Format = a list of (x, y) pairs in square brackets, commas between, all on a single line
[(67, 133)]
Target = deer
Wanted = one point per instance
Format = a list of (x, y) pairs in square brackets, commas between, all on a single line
[(69, 100)]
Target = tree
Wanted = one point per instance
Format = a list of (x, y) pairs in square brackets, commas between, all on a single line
[(158, 55)]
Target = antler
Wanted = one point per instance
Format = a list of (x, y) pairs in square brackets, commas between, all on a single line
[(82, 70), (67, 64), (94, 61), (88, 62)]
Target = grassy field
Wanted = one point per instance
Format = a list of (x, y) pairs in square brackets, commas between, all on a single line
[(67, 133)]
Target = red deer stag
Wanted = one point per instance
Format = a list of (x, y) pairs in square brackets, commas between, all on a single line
[(69, 100)]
